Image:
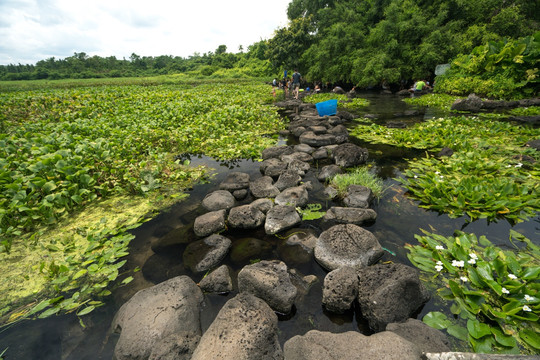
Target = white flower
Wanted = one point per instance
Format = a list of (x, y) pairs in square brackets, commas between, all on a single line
[(416, 176), (439, 262), (508, 166), (464, 279), (528, 298), (472, 261), (473, 256), (437, 172), (458, 263), (526, 308), (512, 276), (442, 177), (438, 268), (439, 247), (519, 165), (505, 291)]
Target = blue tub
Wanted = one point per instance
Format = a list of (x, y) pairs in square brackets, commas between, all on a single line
[(328, 107)]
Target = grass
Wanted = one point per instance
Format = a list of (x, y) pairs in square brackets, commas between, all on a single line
[(358, 176)]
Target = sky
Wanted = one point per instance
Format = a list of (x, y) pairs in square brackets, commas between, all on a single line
[(33, 30)]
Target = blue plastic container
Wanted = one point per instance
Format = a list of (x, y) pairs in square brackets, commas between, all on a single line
[(328, 107)]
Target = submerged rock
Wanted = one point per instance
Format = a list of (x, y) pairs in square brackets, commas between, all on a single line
[(426, 338)]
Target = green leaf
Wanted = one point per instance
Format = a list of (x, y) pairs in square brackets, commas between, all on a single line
[(530, 337), (477, 329), (437, 320), (459, 332), (86, 310), (501, 338), (530, 273), (49, 186)]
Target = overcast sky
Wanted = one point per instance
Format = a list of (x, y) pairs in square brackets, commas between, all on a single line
[(32, 30)]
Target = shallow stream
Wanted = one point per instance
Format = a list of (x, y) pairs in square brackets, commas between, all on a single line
[(398, 220)]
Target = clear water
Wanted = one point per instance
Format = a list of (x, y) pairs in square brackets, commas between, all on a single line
[(398, 220)]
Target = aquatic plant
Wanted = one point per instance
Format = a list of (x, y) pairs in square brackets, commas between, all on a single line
[(311, 212), (358, 176), (487, 176), (495, 293)]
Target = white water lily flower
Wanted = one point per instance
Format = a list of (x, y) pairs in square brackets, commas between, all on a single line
[(438, 268), (464, 279), (526, 308), (512, 276), (528, 298), (519, 165), (439, 262), (508, 166), (442, 177), (472, 261), (416, 176), (505, 291), (473, 256), (457, 263), (439, 247), (437, 172)]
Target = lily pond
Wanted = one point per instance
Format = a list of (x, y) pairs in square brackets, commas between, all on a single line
[(156, 258)]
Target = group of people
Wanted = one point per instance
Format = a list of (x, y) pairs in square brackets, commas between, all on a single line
[(288, 83), (293, 84)]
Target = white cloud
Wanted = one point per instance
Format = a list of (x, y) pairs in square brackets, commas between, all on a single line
[(33, 30)]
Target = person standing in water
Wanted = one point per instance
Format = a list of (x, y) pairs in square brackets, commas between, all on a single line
[(296, 77)]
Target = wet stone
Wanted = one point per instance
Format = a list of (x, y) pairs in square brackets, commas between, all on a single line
[(245, 217), (328, 172), (349, 155), (263, 187), (273, 167), (347, 245), (235, 181), (303, 148), (209, 223), (295, 196), (287, 180), (281, 218), (218, 281), (206, 254), (270, 281), (276, 152), (358, 196), (344, 215), (218, 200)]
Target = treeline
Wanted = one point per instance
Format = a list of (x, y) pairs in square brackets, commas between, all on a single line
[(355, 42), (220, 63), (366, 42)]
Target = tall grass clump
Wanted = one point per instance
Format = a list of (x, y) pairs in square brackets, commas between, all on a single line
[(358, 176)]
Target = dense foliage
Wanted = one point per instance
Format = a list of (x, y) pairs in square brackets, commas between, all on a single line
[(366, 42), (494, 292), (496, 69)]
